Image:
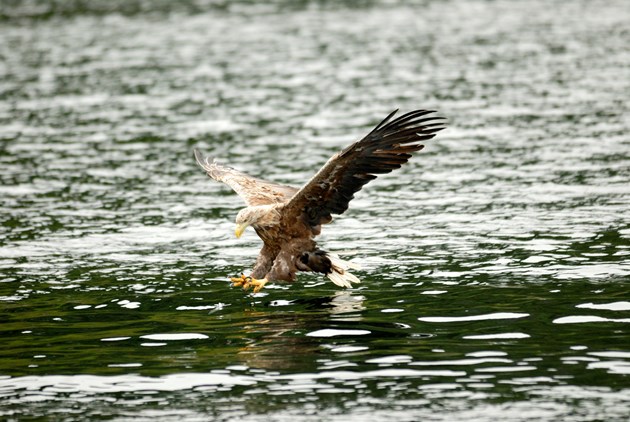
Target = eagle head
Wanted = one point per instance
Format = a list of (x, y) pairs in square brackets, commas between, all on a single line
[(261, 215)]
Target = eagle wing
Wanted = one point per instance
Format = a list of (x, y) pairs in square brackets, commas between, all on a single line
[(253, 191), (388, 146)]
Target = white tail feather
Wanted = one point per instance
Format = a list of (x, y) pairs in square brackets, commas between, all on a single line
[(339, 274)]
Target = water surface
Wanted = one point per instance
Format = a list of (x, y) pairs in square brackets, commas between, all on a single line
[(495, 265)]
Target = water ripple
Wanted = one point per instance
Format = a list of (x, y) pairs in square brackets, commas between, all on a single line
[(479, 256), (496, 315)]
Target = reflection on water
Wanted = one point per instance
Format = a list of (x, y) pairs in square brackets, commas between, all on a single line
[(281, 340), (495, 264)]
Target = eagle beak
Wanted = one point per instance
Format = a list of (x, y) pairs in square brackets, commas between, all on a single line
[(240, 228)]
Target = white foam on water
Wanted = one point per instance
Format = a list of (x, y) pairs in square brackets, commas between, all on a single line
[(484, 317)]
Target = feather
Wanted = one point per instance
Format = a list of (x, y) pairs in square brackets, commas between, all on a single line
[(339, 271), (387, 147), (253, 191)]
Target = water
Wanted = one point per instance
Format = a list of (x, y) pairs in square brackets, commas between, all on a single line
[(495, 265)]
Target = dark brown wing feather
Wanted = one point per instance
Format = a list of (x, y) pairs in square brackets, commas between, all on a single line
[(253, 191), (388, 146)]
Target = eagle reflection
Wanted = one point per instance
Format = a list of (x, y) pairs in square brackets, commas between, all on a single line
[(277, 335)]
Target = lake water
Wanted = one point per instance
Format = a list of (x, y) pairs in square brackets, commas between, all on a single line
[(495, 265)]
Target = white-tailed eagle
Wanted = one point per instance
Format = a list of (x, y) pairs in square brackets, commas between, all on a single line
[(287, 218)]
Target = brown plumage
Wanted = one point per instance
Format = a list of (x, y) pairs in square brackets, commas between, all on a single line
[(287, 218)]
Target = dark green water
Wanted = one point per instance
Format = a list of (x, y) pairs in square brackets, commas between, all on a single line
[(495, 265)]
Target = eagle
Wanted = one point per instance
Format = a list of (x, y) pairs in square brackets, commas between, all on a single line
[(287, 218)]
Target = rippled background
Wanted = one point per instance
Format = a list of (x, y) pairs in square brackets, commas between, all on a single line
[(495, 265)]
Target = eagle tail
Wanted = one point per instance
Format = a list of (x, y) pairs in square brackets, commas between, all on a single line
[(339, 273)]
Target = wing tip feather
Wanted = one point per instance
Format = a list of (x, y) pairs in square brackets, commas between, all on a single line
[(204, 162)]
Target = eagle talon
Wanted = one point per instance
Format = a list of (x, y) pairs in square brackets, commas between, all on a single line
[(259, 284), (246, 282), (238, 281)]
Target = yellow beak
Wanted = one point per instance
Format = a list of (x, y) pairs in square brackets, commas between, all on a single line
[(240, 228)]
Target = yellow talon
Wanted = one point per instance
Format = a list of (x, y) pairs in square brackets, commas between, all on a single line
[(247, 282), (258, 284), (238, 281)]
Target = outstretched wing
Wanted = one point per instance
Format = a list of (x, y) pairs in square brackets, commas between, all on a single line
[(388, 146), (253, 191)]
